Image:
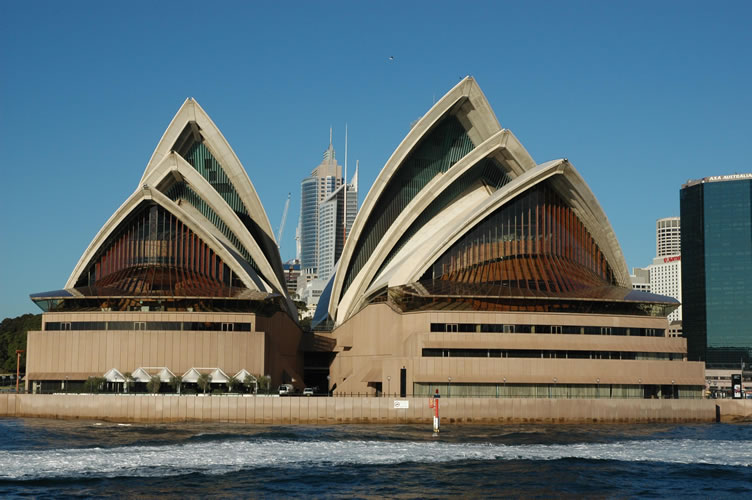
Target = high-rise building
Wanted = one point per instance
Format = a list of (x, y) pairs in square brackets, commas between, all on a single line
[(666, 279), (667, 237), (291, 269), (640, 279), (323, 181), (716, 263), (663, 276), (336, 215)]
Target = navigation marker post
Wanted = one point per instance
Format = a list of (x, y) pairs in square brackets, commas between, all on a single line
[(434, 403)]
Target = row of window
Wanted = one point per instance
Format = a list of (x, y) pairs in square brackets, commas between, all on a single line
[(557, 329), (554, 390), (148, 325), (549, 354)]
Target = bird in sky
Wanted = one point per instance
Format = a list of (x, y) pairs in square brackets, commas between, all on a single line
[(391, 58)]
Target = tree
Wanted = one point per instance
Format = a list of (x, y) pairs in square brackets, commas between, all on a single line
[(249, 381), (94, 384), (264, 382), (176, 381), (204, 381), (128, 383), (232, 383), (305, 324), (13, 337), (153, 384)]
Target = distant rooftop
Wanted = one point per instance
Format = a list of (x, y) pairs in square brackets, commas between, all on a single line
[(718, 178)]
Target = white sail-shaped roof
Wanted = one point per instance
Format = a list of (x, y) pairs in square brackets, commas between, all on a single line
[(195, 176), (485, 168)]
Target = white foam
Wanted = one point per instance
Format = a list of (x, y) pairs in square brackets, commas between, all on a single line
[(228, 456)]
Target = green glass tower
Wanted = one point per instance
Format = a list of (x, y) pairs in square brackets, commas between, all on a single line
[(716, 248)]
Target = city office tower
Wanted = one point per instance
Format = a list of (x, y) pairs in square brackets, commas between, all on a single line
[(336, 216), (663, 276), (323, 181), (324, 220), (716, 248)]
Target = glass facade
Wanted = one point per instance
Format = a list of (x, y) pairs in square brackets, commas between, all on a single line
[(548, 329), (153, 252), (445, 295), (309, 213), (488, 171), (166, 326), (227, 299), (182, 191), (439, 150), (716, 218), (191, 147), (549, 354), (334, 223), (533, 242), (554, 390)]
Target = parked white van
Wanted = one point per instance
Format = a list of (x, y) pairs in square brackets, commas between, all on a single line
[(286, 389)]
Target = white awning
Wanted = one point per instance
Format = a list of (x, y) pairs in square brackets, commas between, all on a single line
[(145, 373), (217, 375), (113, 375)]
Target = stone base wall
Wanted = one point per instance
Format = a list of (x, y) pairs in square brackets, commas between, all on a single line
[(361, 410)]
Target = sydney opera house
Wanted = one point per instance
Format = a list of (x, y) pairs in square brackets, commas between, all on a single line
[(469, 268)]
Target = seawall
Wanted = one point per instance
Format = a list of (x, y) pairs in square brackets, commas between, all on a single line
[(361, 410)]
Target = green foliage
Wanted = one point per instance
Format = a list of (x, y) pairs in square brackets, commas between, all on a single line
[(153, 384), (301, 306), (232, 383), (128, 376), (13, 337), (176, 381), (264, 382), (250, 383), (204, 381), (94, 385), (217, 391), (305, 324)]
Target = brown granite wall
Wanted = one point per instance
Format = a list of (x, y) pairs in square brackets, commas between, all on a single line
[(356, 410)]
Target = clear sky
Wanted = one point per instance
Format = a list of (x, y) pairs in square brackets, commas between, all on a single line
[(639, 96)]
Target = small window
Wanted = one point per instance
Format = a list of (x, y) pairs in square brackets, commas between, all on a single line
[(65, 326), (139, 325), (227, 327)]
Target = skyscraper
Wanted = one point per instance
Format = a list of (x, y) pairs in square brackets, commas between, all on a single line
[(336, 215), (323, 181), (668, 237), (716, 263), (666, 279), (663, 276)]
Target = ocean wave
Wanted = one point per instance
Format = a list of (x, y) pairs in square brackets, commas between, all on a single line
[(222, 457)]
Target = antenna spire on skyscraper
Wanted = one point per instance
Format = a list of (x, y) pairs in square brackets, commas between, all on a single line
[(329, 156)]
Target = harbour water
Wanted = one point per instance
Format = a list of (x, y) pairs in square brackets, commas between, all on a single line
[(55, 458)]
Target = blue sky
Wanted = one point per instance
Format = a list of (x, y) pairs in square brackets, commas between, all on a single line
[(639, 96)]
